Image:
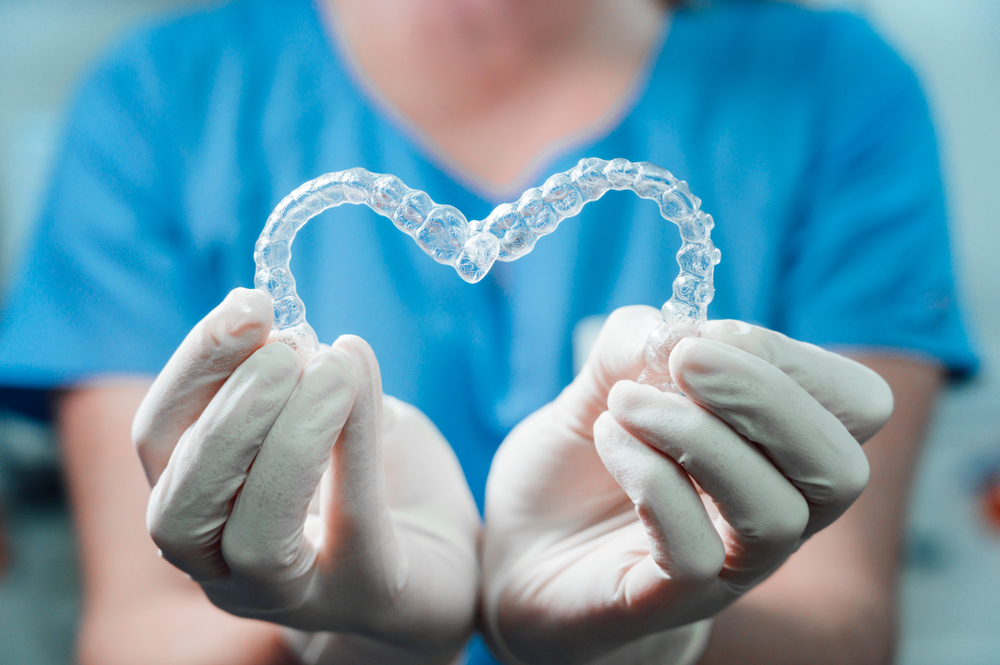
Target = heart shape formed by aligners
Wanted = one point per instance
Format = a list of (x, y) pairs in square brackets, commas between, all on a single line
[(509, 232)]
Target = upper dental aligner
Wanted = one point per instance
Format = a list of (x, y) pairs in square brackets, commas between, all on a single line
[(509, 232)]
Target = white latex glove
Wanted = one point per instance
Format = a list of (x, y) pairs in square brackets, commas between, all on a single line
[(235, 435), (617, 516)]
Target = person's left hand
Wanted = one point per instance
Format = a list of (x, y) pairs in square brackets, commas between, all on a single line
[(617, 517)]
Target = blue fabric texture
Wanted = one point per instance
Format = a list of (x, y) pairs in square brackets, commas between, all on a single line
[(807, 138)]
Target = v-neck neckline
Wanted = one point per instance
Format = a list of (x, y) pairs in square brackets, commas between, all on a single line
[(437, 159)]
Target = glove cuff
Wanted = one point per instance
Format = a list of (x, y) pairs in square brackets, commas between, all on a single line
[(701, 631)]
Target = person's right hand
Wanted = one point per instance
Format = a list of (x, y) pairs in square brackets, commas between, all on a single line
[(235, 436)]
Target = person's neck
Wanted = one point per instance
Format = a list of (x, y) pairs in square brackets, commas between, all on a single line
[(461, 69)]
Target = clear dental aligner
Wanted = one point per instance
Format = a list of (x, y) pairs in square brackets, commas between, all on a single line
[(509, 232)]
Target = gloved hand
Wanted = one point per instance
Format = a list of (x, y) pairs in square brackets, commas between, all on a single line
[(617, 515), (235, 435)]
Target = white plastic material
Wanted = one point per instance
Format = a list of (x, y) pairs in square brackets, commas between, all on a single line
[(509, 232)]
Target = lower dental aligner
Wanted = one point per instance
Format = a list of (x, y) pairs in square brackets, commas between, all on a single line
[(509, 232)]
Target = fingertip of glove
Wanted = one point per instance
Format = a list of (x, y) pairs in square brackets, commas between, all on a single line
[(365, 363), (605, 429), (244, 317), (722, 328), (357, 348), (632, 315), (698, 365), (253, 304), (279, 357), (645, 411), (334, 368), (876, 408), (760, 342), (334, 358), (698, 354), (618, 351), (627, 395), (887, 404), (243, 295), (628, 324)]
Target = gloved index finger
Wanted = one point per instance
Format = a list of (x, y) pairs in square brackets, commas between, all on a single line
[(859, 398), (803, 439), (209, 354)]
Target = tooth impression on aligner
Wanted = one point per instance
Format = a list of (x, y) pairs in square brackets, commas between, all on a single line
[(508, 233)]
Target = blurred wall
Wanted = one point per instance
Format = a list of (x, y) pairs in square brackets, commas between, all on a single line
[(951, 588), (45, 46), (951, 604)]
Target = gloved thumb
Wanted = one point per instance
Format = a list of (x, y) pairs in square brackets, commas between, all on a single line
[(214, 348), (617, 355)]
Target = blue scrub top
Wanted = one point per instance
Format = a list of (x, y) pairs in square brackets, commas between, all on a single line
[(807, 138)]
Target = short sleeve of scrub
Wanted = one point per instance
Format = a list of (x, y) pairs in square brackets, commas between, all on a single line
[(868, 264), (109, 262)]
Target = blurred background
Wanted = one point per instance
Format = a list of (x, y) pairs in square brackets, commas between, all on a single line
[(951, 589)]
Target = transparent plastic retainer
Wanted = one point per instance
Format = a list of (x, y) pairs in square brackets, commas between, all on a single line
[(509, 232)]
